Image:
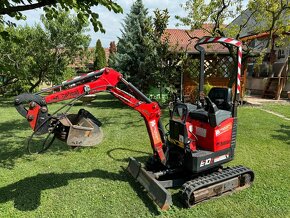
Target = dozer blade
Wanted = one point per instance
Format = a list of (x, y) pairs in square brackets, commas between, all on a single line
[(155, 190)]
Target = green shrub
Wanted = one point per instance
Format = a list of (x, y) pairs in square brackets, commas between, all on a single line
[(207, 87)]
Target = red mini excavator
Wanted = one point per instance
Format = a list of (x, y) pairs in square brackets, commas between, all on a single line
[(201, 137)]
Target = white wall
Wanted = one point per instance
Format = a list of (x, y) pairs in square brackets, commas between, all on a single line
[(257, 84)]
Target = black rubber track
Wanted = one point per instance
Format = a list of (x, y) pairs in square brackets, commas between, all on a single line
[(205, 181)]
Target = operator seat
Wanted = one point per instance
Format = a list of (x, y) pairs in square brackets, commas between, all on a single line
[(222, 97), (219, 106)]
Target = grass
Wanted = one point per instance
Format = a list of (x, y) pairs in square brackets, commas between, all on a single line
[(90, 182), (278, 108)]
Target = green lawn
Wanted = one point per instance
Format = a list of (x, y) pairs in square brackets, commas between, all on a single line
[(90, 182), (278, 108)]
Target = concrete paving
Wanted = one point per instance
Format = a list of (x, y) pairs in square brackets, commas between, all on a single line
[(258, 101)]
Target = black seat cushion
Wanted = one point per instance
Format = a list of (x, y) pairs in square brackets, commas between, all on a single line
[(218, 117), (222, 97), (214, 119), (199, 114)]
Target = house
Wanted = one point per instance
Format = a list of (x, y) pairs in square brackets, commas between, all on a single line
[(269, 78)]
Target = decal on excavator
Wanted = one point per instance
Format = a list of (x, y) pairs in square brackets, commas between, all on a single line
[(223, 130), (201, 131), (155, 132), (222, 157)]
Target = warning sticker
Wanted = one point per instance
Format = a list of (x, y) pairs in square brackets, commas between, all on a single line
[(201, 131), (220, 158), (223, 129)]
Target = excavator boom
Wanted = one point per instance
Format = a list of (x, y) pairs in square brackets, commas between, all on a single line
[(107, 80)]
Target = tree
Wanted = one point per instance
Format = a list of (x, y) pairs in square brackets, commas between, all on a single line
[(143, 53), (32, 55), (112, 52), (112, 48), (268, 16), (135, 48), (273, 17), (166, 57), (100, 56), (83, 9)]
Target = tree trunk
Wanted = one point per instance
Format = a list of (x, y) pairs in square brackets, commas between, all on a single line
[(33, 86)]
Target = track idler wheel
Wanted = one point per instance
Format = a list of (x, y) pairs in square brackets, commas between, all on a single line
[(189, 199), (246, 179)]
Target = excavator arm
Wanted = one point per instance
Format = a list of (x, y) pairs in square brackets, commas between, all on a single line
[(34, 107)]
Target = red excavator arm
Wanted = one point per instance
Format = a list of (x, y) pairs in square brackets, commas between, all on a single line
[(98, 81)]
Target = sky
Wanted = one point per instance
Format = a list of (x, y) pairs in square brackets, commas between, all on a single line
[(113, 22)]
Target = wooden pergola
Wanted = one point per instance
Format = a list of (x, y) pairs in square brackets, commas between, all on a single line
[(218, 68)]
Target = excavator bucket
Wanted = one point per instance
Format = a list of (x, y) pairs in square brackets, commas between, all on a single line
[(81, 129), (146, 178)]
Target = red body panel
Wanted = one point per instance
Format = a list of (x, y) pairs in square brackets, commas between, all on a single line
[(212, 138), (32, 115), (109, 79)]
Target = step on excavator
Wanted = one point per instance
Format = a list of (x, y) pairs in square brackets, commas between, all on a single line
[(190, 155)]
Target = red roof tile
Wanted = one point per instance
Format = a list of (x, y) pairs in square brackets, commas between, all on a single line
[(182, 39)]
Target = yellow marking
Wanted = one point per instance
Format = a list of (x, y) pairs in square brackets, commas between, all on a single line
[(176, 142)]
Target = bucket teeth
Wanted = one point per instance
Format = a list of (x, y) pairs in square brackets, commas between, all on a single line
[(155, 190)]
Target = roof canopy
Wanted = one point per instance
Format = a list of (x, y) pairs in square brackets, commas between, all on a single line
[(185, 40)]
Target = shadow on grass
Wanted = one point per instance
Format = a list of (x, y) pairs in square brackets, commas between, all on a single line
[(13, 140), (13, 144), (26, 193), (176, 199), (142, 194), (6, 102), (283, 134), (123, 120), (143, 159)]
